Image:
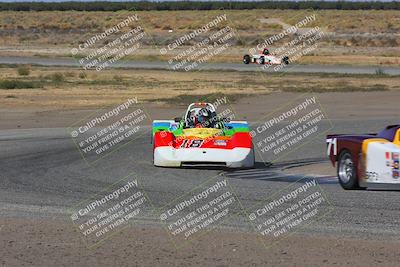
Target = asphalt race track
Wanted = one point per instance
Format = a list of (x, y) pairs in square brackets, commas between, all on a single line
[(130, 64), (43, 175)]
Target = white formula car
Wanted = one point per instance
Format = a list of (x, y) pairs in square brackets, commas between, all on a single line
[(265, 58)]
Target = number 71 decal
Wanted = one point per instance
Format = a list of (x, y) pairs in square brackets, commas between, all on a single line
[(332, 142)]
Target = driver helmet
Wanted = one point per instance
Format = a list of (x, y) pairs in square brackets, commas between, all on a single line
[(266, 51), (203, 117)]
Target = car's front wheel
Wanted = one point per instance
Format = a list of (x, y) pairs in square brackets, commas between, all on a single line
[(346, 171), (261, 60), (246, 59)]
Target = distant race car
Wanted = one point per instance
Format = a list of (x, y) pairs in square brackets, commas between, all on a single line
[(265, 57), (202, 138), (367, 161)]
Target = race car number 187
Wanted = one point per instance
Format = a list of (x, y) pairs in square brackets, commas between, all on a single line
[(192, 143)]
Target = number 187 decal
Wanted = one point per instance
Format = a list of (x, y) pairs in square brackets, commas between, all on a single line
[(192, 143)]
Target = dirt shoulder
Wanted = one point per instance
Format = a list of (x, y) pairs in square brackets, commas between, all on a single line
[(61, 88), (48, 243)]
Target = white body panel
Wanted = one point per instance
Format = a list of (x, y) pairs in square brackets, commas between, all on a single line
[(238, 157), (269, 59), (382, 163)]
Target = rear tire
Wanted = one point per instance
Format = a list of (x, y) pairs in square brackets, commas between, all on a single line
[(261, 60), (286, 60), (346, 171), (246, 59)]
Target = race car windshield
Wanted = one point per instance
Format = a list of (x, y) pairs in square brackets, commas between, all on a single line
[(201, 118)]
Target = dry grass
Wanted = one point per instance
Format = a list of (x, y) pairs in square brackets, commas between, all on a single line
[(341, 21), (358, 32), (114, 86), (55, 33), (71, 27)]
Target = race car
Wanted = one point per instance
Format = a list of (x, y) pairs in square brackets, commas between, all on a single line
[(201, 137), (265, 57), (367, 161)]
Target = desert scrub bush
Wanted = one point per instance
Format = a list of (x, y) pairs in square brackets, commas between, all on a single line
[(57, 77), (118, 78), (82, 75), (23, 70), (166, 27), (70, 74), (15, 84)]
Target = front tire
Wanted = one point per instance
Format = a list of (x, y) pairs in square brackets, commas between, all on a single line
[(346, 171), (261, 60), (246, 59)]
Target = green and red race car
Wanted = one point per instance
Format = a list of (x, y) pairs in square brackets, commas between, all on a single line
[(201, 137)]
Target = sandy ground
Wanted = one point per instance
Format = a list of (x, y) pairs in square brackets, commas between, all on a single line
[(48, 243)]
